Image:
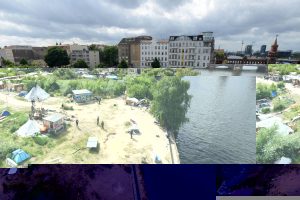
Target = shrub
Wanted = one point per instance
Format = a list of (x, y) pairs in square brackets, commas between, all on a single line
[(40, 140), (265, 110), (279, 105)]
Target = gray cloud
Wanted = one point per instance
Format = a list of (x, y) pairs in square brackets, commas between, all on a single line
[(108, 21)]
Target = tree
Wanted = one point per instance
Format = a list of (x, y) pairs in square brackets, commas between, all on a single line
[(109, 56), (80, 64), (171, 102), (93, 47), (57, 57), (123, 64), (155, 63), (7, 63), (23, 62)]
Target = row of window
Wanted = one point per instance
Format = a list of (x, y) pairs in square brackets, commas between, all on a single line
[(187, 64), (185, 44), (152, 58), (188, 57), (190, 50), (156, 47), (148, 64), (155, 53)]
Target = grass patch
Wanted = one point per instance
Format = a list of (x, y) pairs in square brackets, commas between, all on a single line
[(292, 112), (280, 104), (265, 110)]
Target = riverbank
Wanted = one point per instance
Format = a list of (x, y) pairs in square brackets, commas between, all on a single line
[(116, 145)]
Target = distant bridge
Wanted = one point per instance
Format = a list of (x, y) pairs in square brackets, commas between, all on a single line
[(236, 67)]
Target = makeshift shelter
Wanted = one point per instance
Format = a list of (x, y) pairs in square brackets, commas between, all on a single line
[(112, 77), (19, 156), (54, 122), (270, 122), (92, 142), (37, 94), (30, 128), (132, 101), (82, 96), (283, 160), (5, 113), (22, 93)]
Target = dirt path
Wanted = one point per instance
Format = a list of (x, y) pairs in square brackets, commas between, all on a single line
[(116, 145)]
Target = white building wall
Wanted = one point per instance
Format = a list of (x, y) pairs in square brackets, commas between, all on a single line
[(154, 49), (187, 52)]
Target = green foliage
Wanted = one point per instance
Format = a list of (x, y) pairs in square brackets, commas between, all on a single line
[(80, 64), (283, 69), (7, 63), (264, 90), (281, 85), (181, 72), (292, 112), (155, 63), (271, 146), (171, 102), (123, 64), (65, 74), (109, 56), (23, 62), (40, 140), (6, 147), (265, 110), (140, 87), (280, 104), (57, 57)]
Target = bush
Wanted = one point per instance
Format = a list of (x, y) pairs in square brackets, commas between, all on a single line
[(281, 85), (264, 91), (265, 110), (6, 147), (279, 105), (13, 129), (40, 140)]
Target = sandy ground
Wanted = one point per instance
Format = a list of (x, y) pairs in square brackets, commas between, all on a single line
[(116, 146)]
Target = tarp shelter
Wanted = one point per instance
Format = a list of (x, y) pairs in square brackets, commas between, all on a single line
[(275, 121), (54, 122), (113, 77), (19, 156), (5, 113), (23, 93), (92, 142), (82, 96), (30, 128), (283, 160), (37, 94)]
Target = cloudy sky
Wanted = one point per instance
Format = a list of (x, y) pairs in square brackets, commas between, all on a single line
[(44, 22)]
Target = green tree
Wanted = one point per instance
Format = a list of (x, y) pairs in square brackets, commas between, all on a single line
[(23, 62), (7, 63), (171, 102), (109, 56), (93, 47), (80, 64), (123, 64), (155, 63), (57, 57)]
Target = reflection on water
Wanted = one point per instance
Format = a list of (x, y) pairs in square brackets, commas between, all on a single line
[(221, 127)]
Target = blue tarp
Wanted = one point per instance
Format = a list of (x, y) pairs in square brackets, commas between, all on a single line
[(23, 93), (19, 156), (5, 113), (274, 93)]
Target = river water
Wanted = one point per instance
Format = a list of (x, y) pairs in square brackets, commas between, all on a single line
[(221, 127), (228, 72)]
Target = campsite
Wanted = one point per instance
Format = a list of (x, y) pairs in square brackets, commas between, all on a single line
[(64, 118)]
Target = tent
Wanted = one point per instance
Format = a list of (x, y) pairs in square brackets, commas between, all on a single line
[(23, 93), (37, 94), (283, 160), (92, 142), (19, 156), (5, 113), (30, 128)]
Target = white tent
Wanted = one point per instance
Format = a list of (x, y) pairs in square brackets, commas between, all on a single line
[(283, 160), (30, 128), (37, 94)]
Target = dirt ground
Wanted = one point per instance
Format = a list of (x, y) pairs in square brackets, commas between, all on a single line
[(116, 145)]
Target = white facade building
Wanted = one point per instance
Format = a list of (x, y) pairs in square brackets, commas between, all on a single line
[(151, 49), (82, 52), (191, 51)]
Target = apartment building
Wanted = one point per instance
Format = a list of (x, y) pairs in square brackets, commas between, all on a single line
[(151, 49), (7, 54), (82, 52), (130, 51), (191, 50)]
